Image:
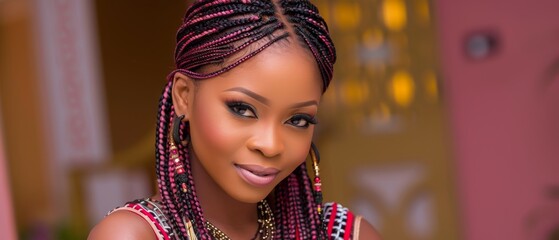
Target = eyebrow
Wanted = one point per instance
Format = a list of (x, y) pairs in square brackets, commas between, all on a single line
[(265, 101), (304, 104), (251, 94)]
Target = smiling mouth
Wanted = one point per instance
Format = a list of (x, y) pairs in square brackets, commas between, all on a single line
[(257, 175)]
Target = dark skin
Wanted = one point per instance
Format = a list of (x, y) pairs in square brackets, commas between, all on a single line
[(271, 129)]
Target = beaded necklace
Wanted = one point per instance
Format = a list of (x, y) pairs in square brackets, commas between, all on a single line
[(265, 224)]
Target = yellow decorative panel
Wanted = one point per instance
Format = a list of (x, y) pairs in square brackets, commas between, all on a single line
[(382, 133), (401, 88), (394, 14)]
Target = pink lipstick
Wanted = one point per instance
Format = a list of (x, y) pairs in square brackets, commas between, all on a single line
[(257, 175)]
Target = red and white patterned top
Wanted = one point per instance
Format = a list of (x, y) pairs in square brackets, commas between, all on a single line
[(339, 220)]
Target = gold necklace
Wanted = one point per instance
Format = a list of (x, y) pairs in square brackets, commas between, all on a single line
[(266, 227)]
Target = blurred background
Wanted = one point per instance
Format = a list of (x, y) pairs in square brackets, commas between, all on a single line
[(441, 122)]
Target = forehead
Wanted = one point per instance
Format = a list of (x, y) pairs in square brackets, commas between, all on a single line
[(288, 71)]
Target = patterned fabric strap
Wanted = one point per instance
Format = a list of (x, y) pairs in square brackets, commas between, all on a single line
[(339, 221), (151, 211)]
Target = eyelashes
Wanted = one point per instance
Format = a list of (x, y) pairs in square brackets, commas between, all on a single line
[(302, 120), (242, 109)]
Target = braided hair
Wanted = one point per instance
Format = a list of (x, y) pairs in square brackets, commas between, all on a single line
[(226, 33)]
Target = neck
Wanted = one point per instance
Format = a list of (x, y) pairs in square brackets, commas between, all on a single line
[(236, 219)]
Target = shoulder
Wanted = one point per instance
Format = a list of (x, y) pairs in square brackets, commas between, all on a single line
[(140, 219), (124, 225), (364, 230), (341, 223)]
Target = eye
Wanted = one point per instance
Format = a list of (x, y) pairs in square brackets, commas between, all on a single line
[(302, 120), (241, 109)]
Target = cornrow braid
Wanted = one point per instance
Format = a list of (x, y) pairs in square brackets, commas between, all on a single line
[(225, 33), (313, 31)]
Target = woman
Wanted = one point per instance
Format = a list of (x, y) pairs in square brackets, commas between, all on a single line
[(235, 126)]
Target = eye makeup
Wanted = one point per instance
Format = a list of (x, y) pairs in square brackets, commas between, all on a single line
[(302, 120), (241, 109), (245, 110)]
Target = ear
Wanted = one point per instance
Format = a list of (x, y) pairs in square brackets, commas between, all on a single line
[(183, 95)]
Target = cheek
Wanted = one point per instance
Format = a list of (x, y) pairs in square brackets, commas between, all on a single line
[(299, 146), (210, 132)]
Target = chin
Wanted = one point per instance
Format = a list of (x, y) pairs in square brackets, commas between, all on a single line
[(250, 196)]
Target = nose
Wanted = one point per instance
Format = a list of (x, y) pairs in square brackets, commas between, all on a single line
[(267, 141)]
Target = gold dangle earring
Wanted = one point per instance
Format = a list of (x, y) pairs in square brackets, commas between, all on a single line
[(315, 157), (174, 139)]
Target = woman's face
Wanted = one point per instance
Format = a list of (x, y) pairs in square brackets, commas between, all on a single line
[(252, 126)]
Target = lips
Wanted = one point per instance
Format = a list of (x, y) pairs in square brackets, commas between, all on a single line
[(257, 175)]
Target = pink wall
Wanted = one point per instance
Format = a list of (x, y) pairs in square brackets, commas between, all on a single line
[(7, 227), (504, 111)]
